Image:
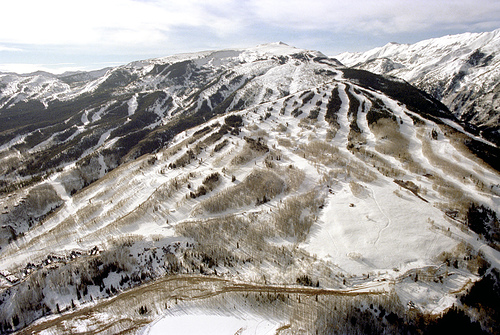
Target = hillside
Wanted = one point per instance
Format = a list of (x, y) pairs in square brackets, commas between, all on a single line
[(461, 71), (265, 186)]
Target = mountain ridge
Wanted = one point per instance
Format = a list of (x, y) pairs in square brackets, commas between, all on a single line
[(269, 168), (459, 70)]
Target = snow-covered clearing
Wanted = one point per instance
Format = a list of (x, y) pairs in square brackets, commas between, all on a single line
[(189, 323), (377, 230)]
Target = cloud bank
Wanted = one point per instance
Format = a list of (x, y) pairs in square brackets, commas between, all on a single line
[(110, 22), (114, 23)]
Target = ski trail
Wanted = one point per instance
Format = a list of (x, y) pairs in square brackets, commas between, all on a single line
[(60, 190), (342, 133), (389, 222), (102, 170), (132, 105)]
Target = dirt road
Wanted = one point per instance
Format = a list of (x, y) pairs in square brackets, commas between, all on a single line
[(122, 311)]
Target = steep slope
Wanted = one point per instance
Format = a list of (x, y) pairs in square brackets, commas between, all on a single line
[(91, 128), (270, 184), (462, 71)]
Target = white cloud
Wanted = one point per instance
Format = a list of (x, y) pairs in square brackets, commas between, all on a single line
[(110, 22), (9, 49), (145, 23)]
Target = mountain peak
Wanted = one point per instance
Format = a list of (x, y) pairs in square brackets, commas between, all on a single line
[(460, 70), (276, 47), (274, 43)]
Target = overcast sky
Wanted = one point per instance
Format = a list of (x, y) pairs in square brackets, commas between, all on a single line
[(59, 35)]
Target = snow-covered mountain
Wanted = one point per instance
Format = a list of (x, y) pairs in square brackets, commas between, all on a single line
[(462, 71), (267, 186)]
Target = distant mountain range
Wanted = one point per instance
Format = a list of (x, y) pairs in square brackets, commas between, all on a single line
[(462, 71)]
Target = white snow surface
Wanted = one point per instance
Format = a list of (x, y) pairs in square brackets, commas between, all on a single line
[(431, 52), (132, 105), (194, 323), (377, 231)]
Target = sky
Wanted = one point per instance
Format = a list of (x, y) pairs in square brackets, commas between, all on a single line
[(69, 35)]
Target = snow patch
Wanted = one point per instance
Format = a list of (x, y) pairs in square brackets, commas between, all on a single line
[(132, 105), (206, 324), (378, 232)]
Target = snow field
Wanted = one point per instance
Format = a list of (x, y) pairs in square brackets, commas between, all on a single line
[(377, 230), (206, 324)]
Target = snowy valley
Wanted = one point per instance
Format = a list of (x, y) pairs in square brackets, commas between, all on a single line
[(264, 190)]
